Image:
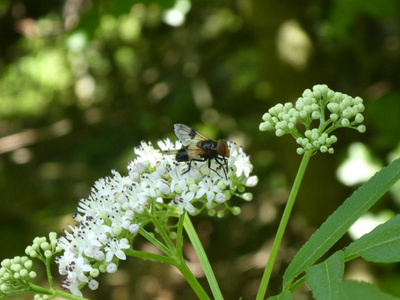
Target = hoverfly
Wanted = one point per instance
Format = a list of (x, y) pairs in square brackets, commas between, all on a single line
[(197, 147)]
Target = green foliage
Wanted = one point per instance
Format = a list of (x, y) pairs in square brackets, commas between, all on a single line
[(285, 295), (352, 290), (341, 220), (381, 245), (324, 279)]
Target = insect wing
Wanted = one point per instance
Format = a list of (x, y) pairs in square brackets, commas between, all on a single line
[(188, 135), (170, 152)]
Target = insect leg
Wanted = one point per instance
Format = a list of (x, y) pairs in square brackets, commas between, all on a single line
[(223, 165), (190, 164)]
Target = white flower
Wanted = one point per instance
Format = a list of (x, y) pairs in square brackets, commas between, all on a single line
[(72, 285), (80, 266), (242, 163), (177, 182), (183, 202), (146, 152), (115, 247), (209, 188)]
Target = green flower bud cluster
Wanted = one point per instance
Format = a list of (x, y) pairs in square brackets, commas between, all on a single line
[(332, 109), (15, 274), (43, 249)]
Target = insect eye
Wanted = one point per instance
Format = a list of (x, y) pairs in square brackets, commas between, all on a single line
[(222, 149)]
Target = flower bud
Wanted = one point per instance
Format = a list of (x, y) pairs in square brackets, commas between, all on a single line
[(279, 132), (48, 253), (267, 117), (28, 264), (247, 196), (303, 114), (315, 115), (52, 236), (334, 117), (23, 273), (359, 118), (345, 122), (94, 272), (117, 230), (265, 126), (93, 285), (134, 228), (235, 210), (360, 107), (252, 181), (361, 128), (315, 135), (45, 246), (112, 268)]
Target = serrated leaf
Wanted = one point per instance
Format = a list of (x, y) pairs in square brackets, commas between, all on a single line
[(382, 244), (340, 221), (285, 295), (355, 290), (324, 279)]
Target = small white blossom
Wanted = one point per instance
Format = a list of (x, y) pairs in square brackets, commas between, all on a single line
[(115, 247), (209, 188), (183, 202)]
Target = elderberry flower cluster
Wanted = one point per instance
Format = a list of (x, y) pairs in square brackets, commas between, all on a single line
[(120, 206), (332, 109)]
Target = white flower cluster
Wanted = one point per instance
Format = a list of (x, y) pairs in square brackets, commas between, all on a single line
[(119, 206), (332, 109)]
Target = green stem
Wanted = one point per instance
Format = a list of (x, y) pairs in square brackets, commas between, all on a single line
[(179, 236), (49, 276), (164, 235), (40, 290), (153, 256), (212, 281), (151, 238), (192, 280), (282, 226)]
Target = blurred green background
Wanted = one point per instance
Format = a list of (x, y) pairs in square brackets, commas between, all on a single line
[(83, 82)]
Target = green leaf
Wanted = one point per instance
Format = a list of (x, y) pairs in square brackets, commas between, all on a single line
[(353, 290), (340, 221), (380, 245), (285, 295), (325, 278)]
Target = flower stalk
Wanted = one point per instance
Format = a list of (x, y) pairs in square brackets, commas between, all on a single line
[(282, 226)]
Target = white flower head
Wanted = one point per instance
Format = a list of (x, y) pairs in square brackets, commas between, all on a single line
[(119, 205)]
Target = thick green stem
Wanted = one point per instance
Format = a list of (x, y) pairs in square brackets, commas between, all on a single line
[(212, 281), (282, 226)]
